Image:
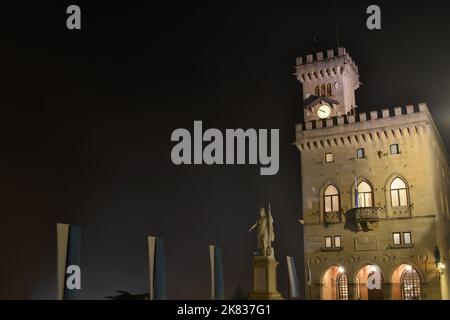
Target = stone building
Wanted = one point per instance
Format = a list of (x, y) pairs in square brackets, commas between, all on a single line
[(375, 191)]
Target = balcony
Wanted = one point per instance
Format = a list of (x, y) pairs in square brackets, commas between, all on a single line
[(362, 219)]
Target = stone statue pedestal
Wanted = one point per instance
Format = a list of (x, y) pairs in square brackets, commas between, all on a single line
[(265, 279)]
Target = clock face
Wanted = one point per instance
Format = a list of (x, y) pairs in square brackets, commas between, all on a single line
[(323, 111)]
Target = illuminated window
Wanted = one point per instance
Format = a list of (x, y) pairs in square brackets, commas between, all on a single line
[(395, 149), (337, 241), (331, 199), (342, 286), (361, 153), (333, 242), (329, 158), (399, 240), (399, 195), (407, 238), (411, 289), (329, 89), (396, 238), (365, 197), (328, 242)]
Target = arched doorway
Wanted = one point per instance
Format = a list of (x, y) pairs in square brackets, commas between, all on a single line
[(406, 283), (369, 283), (335, 284)]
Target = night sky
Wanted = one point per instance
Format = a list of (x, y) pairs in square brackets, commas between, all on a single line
[(86, 118)]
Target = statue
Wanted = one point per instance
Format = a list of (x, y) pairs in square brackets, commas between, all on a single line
[(265, 232)]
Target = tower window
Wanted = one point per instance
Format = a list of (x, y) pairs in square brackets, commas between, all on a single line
[(361, 153), (322, 90), (317, 91), (395, 149), (329, 89), (399, 194), (329, 157), (331, 199)]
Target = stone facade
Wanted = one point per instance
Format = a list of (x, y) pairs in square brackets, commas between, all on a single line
[(377, 148)]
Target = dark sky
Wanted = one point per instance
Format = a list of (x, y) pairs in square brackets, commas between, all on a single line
[(86, 118)]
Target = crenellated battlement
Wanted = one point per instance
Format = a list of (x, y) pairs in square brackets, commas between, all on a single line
[(362, 117), (365, 127), (331, 65)]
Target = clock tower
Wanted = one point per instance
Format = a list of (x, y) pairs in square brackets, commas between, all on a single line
[(329, 84)]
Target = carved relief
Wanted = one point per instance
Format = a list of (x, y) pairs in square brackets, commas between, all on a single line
[(350, 260), (366, 243), (422, 257), (385, 258), (316, 260)]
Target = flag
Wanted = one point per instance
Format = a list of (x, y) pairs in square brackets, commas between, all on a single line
[(157, 268), (356, 193), (68, 256), (217, 284), (309, 280), (294, 292)]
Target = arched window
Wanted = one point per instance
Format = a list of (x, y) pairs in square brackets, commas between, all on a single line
[(329, 89), (331, 199), (399, 195), (411, 285), (317, 91), (365, 195), (322, 90), (342, 287)]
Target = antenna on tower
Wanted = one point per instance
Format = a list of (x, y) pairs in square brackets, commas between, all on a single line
[(336, 24)]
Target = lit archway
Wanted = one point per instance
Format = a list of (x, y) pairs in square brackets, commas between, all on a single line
[(369, 283), (406, 283), (335, 284)]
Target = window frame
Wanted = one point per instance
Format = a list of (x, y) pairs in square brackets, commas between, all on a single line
[(364, 195), (404, 239), (333, 198), (331, 242), (342, 292), (398, 193), (363, 153), (399, 238), (397, 149), (411, 285), (323, 90), (334, 241), (332, 157), (329, 91)]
